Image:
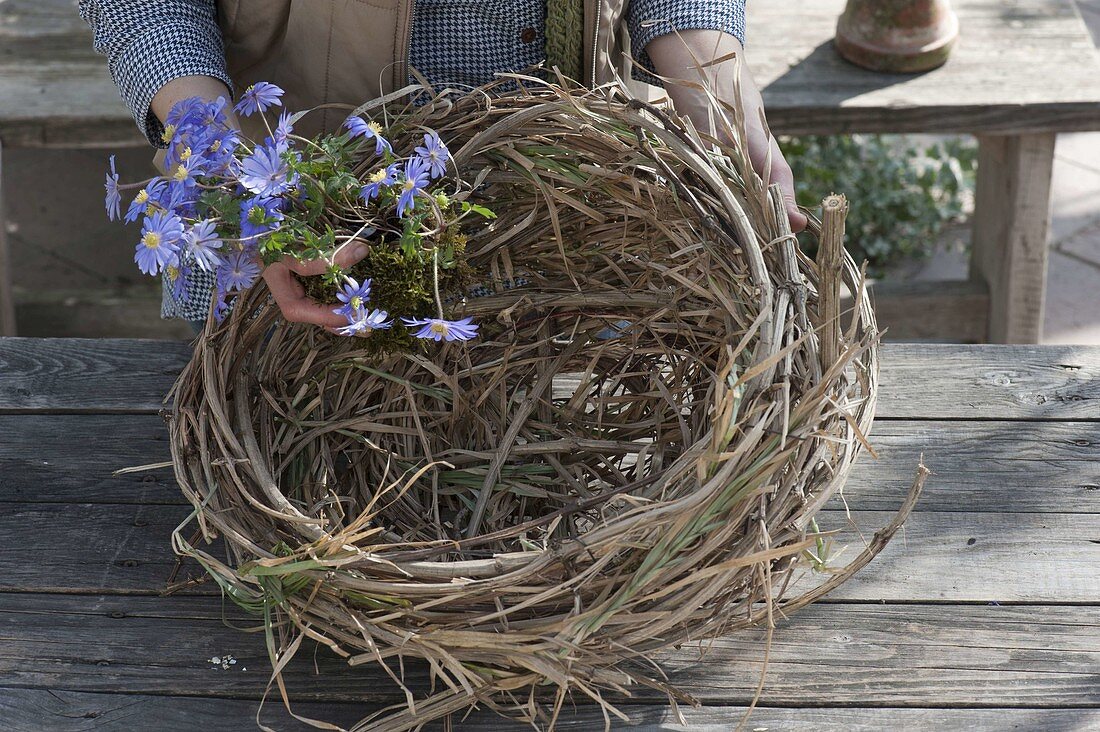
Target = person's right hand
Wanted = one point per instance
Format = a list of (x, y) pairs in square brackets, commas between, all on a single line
[(291, 297)]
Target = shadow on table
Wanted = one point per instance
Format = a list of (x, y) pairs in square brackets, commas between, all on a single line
[(804, 84)]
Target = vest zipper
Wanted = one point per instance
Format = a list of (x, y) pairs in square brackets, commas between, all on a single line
[(401, 69)]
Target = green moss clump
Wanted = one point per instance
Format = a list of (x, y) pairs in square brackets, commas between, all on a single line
[(401, 284)]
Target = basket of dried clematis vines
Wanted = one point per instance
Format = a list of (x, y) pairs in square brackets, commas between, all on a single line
[(629, 455)]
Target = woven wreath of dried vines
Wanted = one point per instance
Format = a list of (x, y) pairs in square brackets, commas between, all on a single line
[(628, 458)]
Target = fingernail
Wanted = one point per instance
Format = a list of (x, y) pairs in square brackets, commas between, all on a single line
[(360, 250)]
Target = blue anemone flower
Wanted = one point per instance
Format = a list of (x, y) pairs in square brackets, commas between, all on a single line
[(364, 321), (354, 296), (160, 235), (221, 304), (266, 173), (189, 167), (434, 152), (214, 113), (218, 148), (386, 176), (415, 178), (283, 130), (438, 329), (258, 97), (147, 196), (179, 197), (113, 199), (238, 271), (259, 215), (370, 130), (185, 117), (201, 241), (186, 113), (178, 275)]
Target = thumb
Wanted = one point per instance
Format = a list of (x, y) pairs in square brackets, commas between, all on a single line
[(782, 175), (345, 258)]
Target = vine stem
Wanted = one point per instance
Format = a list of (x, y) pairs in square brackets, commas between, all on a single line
[(435, 280)]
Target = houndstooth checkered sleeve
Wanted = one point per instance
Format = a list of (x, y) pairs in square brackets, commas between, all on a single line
[(149, 44), (648, 19)]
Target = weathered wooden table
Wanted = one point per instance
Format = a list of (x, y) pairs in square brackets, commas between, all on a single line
[(983, 614)]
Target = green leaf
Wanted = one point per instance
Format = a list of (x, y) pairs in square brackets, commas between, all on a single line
[(478, 209)]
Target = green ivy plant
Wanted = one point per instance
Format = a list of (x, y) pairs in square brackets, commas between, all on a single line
[(902, 193)]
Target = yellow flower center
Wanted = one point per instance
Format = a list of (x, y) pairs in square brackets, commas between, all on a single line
[(169, 133), (374, 127), (409, 184), (150, 210), (151, 239), (215, 145), (356, 302), (378, 176), (172, 271), (185, 154), (439, 327), (181, 173), (142, 196)]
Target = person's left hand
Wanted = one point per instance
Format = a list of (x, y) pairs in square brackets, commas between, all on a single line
[(678, 55), (291, 297)]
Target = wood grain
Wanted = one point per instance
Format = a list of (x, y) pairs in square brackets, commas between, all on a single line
[(92, 547), (1011, 224), (833, 655), (70, 458), (55, 87), (60, 710), (938, 381), (87, 375), (947, 311), (1018, 67), (918, 381), (1002, 467), (955, 556), (971, 557)]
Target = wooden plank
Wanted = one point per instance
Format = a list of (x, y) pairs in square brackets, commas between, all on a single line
[(1019, 66), (87, 375), (92, 547), (981, 466), (1003, 467), (947, 311), (67, 458), (919, 381), (97, 314), (971, 557), (831, 655), (1011, 225), (46, 58), (7, 298), (953, 556), (936, 381), (60, 710)]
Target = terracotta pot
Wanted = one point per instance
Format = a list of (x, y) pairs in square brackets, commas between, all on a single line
[(900, 36)]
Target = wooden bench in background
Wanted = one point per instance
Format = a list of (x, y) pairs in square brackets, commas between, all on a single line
[(54, 92), (1023, 71)]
